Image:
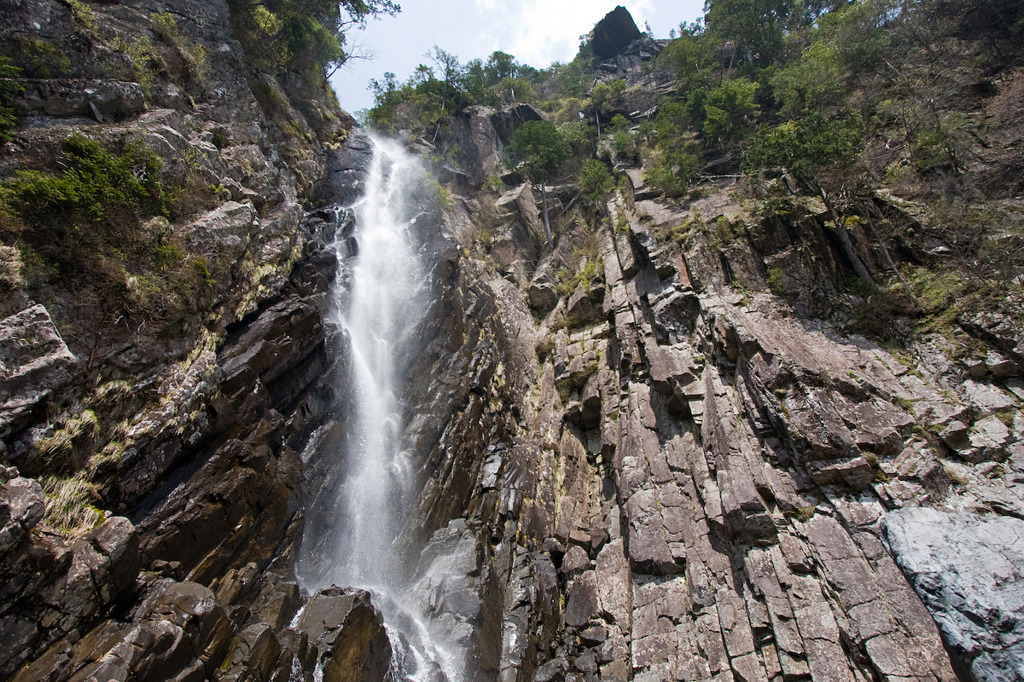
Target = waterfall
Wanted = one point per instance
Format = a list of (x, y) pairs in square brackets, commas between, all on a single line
[(356, 517)]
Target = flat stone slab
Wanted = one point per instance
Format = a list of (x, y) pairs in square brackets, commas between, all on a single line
[(969, 572)]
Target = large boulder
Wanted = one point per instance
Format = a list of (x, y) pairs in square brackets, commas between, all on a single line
[(346, 635), (53, 587), (968, 571)]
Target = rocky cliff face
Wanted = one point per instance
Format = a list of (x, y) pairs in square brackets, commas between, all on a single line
[(685, 465), (678, 465), (152, 409)]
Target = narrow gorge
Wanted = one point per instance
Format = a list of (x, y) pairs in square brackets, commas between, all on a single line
[(283, 400)]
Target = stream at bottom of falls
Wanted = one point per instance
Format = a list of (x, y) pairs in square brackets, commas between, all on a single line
[(358, 509)]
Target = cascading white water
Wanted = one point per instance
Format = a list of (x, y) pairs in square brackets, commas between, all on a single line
[(355, 525)]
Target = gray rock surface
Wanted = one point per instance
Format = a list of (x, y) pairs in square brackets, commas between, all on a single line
[(670, 473), (346, 636), (34, 361), (969, 571)]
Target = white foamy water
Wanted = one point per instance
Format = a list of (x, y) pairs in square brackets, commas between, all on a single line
[(354, 522)]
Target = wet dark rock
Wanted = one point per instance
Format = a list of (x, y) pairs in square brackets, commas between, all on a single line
[(53, 587), (346, 635), (254, 654), (347, 168)]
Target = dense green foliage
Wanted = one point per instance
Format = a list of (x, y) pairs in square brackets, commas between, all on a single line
[(89, 219), (833, 99), (425, 103), (540, 148), (305, 35), (673, 164), (594, 182), (8, 89), (95, 186), (816, 149)]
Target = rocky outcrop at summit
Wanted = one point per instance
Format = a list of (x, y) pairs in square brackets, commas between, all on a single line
[(614, 33)]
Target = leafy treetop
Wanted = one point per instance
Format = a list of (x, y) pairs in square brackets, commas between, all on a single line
[(540, 148), (306, 35)]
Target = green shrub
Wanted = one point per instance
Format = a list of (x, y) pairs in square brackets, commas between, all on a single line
[(623, 142), (83, 14), (494, 183), (777, 281), (815, 81), (586, 276), (87, 229), (674, 171), (96, 187), (8, 89), (38, 58), (202, 271), (168, 255), (943, 145), (674, 164), (729, 112), (306, 36), (144, 66), (594, 182), (220, 138), (621, 224), (692, 56), (166, 26)]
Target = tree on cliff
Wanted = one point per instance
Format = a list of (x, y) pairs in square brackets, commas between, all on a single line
[(306, 35), (822, 153), (539, 147), (756, 27)]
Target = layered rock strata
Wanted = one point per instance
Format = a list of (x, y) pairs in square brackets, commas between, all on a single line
[(150, 497), (671, 473)]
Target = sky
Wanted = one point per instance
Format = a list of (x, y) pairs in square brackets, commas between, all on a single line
[(536, 32)]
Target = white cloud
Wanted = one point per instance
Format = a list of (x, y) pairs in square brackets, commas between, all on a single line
[(539, 32)]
